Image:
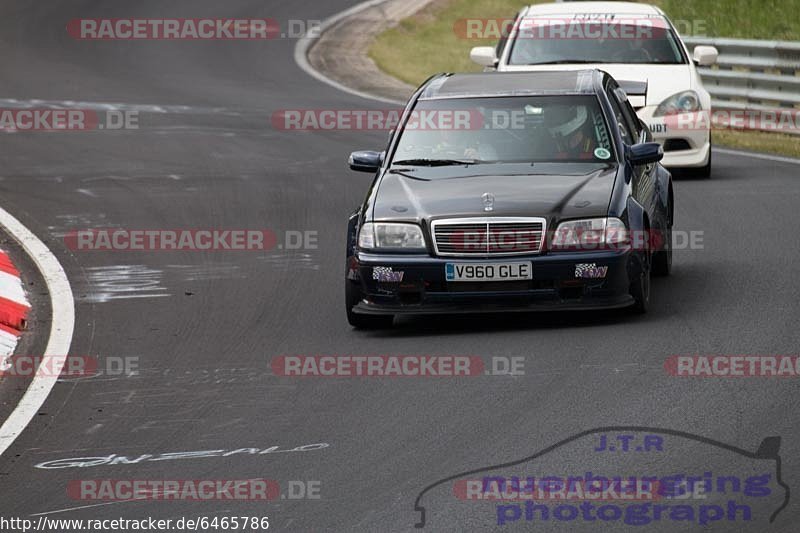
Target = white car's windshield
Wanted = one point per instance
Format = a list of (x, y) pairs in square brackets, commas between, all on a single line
[(541, 41)]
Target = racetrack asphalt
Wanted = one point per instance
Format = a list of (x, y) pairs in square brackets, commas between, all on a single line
[(204, 326)]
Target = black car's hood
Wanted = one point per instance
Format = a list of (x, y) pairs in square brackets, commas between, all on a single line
[(411, 197)]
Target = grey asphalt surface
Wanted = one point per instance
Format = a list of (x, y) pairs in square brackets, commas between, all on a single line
[(205, 326)]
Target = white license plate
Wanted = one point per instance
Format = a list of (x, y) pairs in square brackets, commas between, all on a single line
[(489, 271)]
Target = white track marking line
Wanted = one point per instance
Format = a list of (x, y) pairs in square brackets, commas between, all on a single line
[(768, 157), (304, 45), (61, 329)]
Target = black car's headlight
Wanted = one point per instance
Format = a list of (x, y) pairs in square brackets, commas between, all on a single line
[(682, 102), (391, 236), (590, 234)]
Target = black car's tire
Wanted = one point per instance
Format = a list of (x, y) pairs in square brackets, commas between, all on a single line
[(360, 321), (662, 260), (640, 290)]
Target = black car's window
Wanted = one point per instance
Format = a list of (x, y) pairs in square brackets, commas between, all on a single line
[(634, 39), (625, 128), (628, 112), (506, 130)]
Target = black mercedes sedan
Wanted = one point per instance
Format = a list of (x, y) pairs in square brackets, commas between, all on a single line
[(510, 192)]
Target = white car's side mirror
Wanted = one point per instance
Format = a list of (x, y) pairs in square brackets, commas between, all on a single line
[(705, 56), (484, 56)]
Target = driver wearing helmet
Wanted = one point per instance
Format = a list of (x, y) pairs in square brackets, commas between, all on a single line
[(571, 131)]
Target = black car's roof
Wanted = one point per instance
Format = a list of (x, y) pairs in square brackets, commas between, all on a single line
[(512, 83)]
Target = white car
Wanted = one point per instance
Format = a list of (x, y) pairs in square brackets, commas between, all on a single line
[(632, 42)]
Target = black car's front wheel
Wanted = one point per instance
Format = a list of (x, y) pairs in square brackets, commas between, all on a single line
[(359, 321), (662, 259), (640, 288)]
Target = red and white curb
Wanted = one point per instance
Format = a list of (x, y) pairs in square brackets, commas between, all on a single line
[(62, 326), (14, 308)]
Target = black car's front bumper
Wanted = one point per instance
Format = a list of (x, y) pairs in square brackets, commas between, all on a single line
[(425, 290)]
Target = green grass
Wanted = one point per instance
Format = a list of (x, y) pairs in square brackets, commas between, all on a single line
[(759, 141), (426, 43), (743, 19)]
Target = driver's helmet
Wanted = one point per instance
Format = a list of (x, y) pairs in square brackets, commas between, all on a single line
[(564, 121)]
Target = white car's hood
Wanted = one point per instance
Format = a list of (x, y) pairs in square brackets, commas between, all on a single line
[(662, 80)]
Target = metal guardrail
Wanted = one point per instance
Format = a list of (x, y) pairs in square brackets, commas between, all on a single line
[(750, 75)]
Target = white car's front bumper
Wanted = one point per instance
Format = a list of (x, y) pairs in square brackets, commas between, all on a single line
[(686, 138)]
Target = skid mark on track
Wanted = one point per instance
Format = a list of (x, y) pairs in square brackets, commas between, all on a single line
[(207, 272), (14, 103), (94, 429), (301, 261), (173, 379), (87, 192), (166, 424), (122, 282), (194, 400), (68, 223)]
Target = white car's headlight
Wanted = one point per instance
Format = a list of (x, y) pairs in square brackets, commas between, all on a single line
[(391, 235), (682, 102), (590, 234)]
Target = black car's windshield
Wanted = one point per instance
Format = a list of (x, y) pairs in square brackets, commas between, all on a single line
[(518, 129), (550, 40)]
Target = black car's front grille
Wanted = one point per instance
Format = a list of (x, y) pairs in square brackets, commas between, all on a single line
[(488, 237), (460, 238)]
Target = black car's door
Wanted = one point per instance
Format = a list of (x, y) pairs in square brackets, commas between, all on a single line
[(643, 182)]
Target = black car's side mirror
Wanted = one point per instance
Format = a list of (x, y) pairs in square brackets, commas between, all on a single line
[(645, 153), (365, 161)]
